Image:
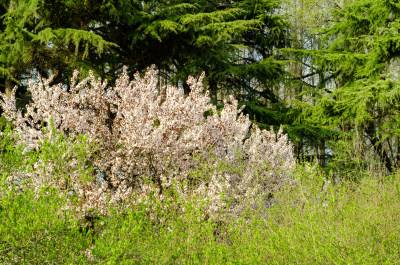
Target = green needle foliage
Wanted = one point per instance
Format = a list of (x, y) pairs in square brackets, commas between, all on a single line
[(358, 94), (234, 42), (45, 35)]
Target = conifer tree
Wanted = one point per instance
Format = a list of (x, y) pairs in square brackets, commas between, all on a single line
[(43, 36), (232, 41), (360, 58)]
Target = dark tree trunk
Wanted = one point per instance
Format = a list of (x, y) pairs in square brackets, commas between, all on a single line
[(186, 89), (378, 147), (322, 154)]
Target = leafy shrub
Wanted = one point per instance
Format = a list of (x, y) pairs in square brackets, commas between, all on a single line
[(144, 133)]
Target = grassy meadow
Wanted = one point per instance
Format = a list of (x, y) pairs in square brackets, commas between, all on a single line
[(313, 220)]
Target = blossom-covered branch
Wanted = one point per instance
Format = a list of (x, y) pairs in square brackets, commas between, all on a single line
[(145, 134)]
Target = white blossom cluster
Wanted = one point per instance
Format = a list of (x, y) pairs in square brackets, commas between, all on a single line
[(148, 133)]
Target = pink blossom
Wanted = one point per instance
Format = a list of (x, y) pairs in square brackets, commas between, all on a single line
[(144, 133)]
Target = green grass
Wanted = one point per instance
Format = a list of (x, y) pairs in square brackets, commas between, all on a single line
[(311, 222), (33, 232), (344, 224)]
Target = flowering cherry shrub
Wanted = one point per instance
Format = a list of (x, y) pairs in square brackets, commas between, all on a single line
[(150, 138)]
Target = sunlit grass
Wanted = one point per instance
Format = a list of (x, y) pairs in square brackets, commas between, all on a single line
[(312, 221)]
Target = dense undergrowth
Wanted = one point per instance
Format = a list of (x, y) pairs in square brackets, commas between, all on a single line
[(313, 220)]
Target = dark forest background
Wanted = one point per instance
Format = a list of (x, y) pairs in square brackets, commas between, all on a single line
[(328, 70)]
